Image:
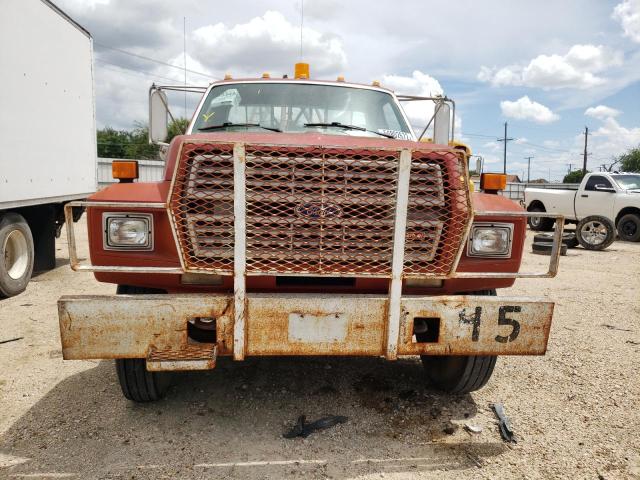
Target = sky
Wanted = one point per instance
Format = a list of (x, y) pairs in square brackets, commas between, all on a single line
[(548, 68)]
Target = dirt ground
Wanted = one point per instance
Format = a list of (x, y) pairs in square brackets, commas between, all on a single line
[(576, 411)]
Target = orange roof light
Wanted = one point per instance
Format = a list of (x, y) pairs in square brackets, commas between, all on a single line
[(492, 182), (375, 83), (340, 78), (227, 76), (266, 75), (301, 70), (125, 170)]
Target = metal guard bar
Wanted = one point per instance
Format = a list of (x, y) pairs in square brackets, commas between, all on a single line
[(77, 266)]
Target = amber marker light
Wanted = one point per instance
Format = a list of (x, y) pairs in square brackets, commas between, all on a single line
[(125, 170), (493, 182)]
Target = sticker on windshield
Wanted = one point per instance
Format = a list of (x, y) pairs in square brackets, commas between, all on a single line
[(229, 97), (398, 135)]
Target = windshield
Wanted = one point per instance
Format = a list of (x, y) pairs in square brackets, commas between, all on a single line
[(290, 106), (628, 182)]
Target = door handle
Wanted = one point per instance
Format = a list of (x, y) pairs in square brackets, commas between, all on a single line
[(584, 196)]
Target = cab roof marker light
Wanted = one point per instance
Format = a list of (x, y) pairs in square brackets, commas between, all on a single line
[(301, 70)]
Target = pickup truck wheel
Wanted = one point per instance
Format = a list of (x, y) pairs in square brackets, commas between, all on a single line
[(629, 227), (16, 254), (136, 382), (540, 224), (459, 374), (595, 232)]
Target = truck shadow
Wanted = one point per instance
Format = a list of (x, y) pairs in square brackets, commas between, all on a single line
[(229, 423)]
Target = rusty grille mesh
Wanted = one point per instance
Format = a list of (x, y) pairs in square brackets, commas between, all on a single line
[(320, 211), (202, 206), (317, 210), (437, 213)]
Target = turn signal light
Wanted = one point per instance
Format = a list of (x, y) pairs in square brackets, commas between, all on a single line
[(492, 182), (125, 170)]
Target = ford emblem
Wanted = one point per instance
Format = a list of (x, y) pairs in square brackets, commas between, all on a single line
[(318, 210)]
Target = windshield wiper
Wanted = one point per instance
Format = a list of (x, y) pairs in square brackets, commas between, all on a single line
[(347, 127), (230, 124)]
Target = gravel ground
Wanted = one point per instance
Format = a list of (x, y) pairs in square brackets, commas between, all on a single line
[(576, 410)]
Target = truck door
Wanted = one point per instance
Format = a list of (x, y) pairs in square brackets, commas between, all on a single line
[(591, 201)]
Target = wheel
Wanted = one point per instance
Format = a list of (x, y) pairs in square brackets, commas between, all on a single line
[(136, 382), (568, 238), (629, 227), (540, 224), (544, 248), (16, 254), (459, 374), (595, 232)]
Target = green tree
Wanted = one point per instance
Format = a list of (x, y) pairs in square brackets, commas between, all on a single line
[(177, 127), (630, 161), (573, 177)]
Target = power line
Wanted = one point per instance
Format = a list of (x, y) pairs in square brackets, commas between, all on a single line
[(149, 59), (132, 70)]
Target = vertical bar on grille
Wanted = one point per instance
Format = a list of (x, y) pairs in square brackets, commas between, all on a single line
[(399, 233), (239, 251)]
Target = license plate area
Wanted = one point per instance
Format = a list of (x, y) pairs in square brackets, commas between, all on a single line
[(309, 328), (472, 325)]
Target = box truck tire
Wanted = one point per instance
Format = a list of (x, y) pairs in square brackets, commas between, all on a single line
[(16, 254)]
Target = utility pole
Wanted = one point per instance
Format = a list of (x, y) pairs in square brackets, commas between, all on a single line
[(505, 140), (528, 159), (584, 161), (570, 165)]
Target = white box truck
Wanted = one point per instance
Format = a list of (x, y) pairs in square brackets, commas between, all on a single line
[(47, 133)]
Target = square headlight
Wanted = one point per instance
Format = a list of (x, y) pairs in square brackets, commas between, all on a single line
[(128, 231), (490, 240)]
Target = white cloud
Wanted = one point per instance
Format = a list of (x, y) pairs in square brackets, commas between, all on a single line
[(419, 84), (269, 42), (601, 112), (628, 14), (576, 69), (521, 141), (526, 109)]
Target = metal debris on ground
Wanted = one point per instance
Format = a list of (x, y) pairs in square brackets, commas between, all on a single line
[(613, 327), (303, 429), (506, 432), (11, 340), (472, 428)]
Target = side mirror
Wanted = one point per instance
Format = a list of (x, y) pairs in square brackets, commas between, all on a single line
[(442, 124), (158, 116), (604, 188)]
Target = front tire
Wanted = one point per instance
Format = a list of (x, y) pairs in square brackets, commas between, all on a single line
[(459, 374), (629, 227), (137, 383), (16, 254)]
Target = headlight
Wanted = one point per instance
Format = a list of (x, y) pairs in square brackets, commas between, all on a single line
[(490, 240), (128, 231)]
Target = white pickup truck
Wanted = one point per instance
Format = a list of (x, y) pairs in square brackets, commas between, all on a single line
[(615, 196)]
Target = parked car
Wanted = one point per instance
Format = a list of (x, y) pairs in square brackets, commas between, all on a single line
[(615, 196)]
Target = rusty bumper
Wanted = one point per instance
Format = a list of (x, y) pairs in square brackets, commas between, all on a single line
[(155, 326)]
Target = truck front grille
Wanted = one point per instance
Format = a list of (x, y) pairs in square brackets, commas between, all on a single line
[(317, 210)]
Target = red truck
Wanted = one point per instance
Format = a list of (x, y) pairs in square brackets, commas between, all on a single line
[(304, 217)]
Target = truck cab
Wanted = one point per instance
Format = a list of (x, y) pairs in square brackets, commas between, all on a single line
[(304, 217)]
